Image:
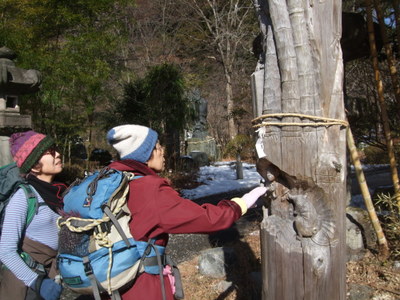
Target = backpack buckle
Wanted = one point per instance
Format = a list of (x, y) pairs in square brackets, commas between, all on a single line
[(104, 227), (87, 267)]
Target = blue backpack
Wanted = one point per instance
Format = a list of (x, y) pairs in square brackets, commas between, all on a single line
[(97, 252)]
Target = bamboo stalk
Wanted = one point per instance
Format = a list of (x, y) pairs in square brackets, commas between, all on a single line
[(384, 248), (384, 114), (389, 53)]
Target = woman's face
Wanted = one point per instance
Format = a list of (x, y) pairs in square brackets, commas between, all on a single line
[(157, 161), (48, 165)]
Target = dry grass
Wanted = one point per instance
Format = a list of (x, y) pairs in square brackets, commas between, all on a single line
[(182, 180), (376, 274)]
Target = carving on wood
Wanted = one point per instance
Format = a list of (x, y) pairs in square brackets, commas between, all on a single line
[(306, 221), (313, 218), (299, 201)]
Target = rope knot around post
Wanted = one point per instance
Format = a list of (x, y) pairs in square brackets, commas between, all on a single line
[(318, 121)]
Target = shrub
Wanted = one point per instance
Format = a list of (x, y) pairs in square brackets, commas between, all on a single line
[(182, 179), (242, 145), (375, 155), (389, 216)]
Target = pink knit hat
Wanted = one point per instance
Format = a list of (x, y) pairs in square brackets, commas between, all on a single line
[(27, 148)]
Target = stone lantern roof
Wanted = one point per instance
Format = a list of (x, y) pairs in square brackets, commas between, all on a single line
[(14, 81)]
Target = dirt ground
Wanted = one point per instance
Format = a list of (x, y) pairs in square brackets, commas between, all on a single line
[(373, 279)]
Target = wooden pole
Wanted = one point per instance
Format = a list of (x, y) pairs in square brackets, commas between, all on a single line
[(303, 231), (383, 245), (382, 103)]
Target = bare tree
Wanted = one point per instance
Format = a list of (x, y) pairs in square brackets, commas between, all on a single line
[(225, 26), (152, 28)]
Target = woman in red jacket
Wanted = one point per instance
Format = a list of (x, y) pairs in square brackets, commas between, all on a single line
[(158, 210)]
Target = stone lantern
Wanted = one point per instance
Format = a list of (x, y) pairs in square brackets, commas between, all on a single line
[(14, 81)]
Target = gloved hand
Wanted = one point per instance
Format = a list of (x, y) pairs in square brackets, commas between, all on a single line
[(168, 271), (251, 197), (47, 288)]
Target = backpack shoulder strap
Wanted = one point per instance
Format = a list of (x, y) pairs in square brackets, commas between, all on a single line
[(33, 203), (9, 181)]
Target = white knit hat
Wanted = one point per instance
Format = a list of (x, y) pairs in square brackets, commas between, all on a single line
[(133, 141)]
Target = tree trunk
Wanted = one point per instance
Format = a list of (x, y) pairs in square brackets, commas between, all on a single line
[(303, 131), (396, 6), (69, 152), (172, 147), (239, 167), (230, 107), (88, 144), (382, 103)]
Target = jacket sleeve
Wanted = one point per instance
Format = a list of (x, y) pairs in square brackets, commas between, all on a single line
[(174, 214), (11, 235)]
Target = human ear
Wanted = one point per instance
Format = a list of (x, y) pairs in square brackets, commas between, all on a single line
[(37, 168)]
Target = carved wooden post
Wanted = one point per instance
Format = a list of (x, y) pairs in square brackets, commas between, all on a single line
[(297, 90)]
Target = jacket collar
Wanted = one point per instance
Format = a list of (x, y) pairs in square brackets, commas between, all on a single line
[(132, 166)]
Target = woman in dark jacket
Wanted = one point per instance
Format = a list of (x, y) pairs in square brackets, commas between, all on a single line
[(158, 210)]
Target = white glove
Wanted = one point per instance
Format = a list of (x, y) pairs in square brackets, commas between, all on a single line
[(251, 197)]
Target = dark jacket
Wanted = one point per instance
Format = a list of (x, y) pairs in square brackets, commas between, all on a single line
[(157, 210)]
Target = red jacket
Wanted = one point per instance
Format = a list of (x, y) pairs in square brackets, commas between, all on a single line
[(157, 210)]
